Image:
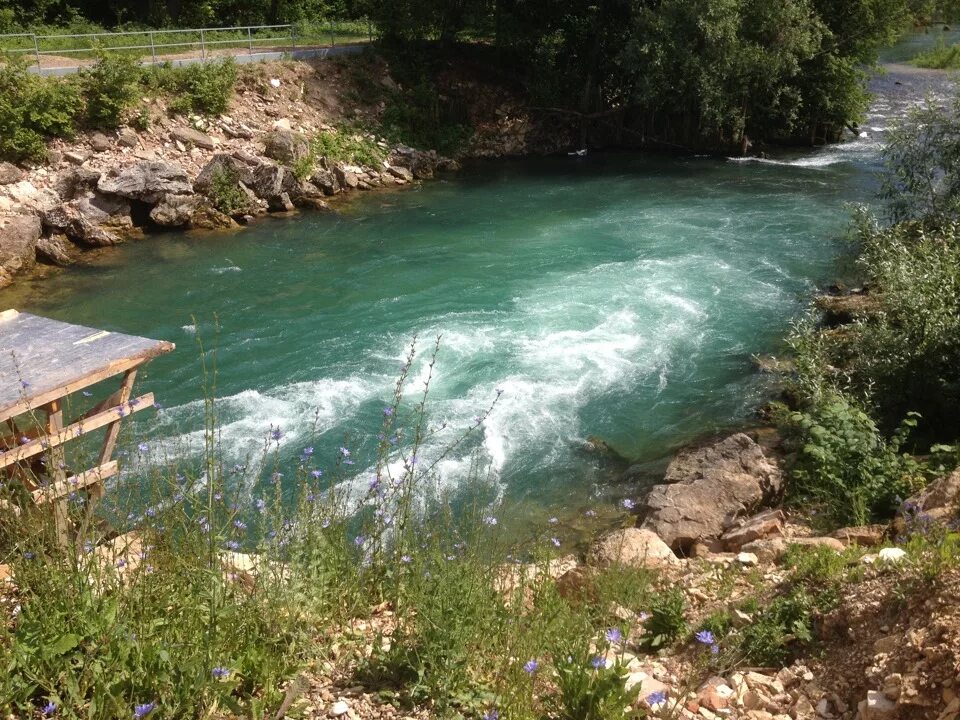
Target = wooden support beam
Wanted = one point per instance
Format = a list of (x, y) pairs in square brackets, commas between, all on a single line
[(113, 432), (75, 430), (56, 470), (75, 483)]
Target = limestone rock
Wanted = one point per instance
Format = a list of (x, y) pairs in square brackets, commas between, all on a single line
[(190, 137), (708, 489), (286, 146), (10, 173), (864, 535), (715, 694), (192, 211), (100, 142), (18, 243), (76, 181), (346, 178), (56, 249), (92, 219), (326, 181), (148, 181), (401, 173), (876, 707), (76, 157), (827, 542), (768, 550), (128, 138), (634, 547), (274, 183), (766, 524), (940, 499)]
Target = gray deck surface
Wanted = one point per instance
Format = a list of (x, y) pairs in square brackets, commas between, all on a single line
[(38, 355)]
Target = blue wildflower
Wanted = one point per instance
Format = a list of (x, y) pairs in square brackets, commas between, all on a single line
[(316, 473), (388, 411), (531, 666), (628, 504), (219, 673), (555, 541), (491, 714), (705, 637), (655, 698), (144, 709), (276, 433), (490, 520), (50, 708), (598, 662), (614, 635)]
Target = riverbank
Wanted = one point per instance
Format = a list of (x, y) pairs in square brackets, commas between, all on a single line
[(296, 135)]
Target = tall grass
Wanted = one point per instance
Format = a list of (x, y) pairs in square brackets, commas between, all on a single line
[(939, 57)]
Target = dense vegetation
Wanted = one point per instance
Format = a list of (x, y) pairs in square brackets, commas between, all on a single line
[(889, 383)]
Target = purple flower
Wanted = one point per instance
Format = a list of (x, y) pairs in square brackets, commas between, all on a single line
[(316, 473), (260, 504), (555, 541), (50, 708), (359, 540), (598, 662), (276, 433), (628, 504), (86, 393), (705, 637), (491, 714), (232, 545), (143, 447), (141, 711), (388, 411), (239, 524), (406, 559), (590, 513), (219, 673), (655, 698), (530, 667), (490, 520), (714, 648), (344, 452), (553, 521), (307, 451), (614, 635)]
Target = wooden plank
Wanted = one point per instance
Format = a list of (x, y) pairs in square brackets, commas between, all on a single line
[(75, 483), (27, 404), (113, 431), (44, 360), (75, 430), (57, 471)]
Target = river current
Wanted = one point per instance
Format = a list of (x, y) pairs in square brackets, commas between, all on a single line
[(614, 295)]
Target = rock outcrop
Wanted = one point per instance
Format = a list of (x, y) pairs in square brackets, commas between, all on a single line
[(706, 490), (286, 146), (18, 244), (148, 181), (633, 547)]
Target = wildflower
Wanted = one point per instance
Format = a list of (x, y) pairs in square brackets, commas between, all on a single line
[(359, 540), (628, 504), (490, 520), (157, 406), (714, 648), (87, 546), (141, 711), (553, 521), (143, 447), (406, 559), (219, 673), (260, 504), (590, 513), (121, 563), (388, 411), (705, 637), (50, 708), (86, 393), (614, 635), (530, 667), (316, 473), (325, 524), (491, 714), (598, 662), (655, 698), (151, 512), (276, 433), (344, 452), (239, 524), (232, 545), (643, 616), (307, 451), (24, 439), (218, 496), (555, 541), (24, 384)]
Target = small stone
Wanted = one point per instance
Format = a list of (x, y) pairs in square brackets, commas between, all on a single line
[(748, 559), (339, 708), (892, 554), (100, 142), (876, 707), (76, 157), (10, 173), (188, 136)]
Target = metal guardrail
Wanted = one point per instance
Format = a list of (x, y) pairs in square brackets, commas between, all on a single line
[(156, 43)]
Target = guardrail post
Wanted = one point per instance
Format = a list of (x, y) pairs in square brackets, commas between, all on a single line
[(153, 49), (250, 40), (36, 49), (203, 46)]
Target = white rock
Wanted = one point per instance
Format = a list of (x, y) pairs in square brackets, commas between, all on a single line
[(339, 708), (275, 82), (892, 554), (748, 559)]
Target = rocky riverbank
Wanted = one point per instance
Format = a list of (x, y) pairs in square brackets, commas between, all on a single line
[(218, 173)]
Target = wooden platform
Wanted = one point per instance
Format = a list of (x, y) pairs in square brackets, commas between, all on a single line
[(42, 361)]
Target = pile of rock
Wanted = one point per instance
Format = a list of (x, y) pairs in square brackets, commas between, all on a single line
[(99, 196)]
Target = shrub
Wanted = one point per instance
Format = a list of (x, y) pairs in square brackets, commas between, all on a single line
[(845, 465), (33, 108), (667, 621), (111, 88), (348, 145), (203, 88), (225, 192)]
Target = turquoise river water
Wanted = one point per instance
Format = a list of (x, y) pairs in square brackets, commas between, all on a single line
[(615, 295)]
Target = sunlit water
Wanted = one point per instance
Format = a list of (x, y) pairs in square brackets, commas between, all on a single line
[(620, 296)]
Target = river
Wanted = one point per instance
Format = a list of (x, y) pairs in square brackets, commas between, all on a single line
[(613, 295)]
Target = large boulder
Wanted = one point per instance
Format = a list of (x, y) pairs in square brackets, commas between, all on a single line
[(56, 250), (940, 500), (633, 547), (10, 173), (148, 181), (93, 219), (190, 137), (707, 489), (275, 184), (194, 211), (76, 181), (223, 167), (286, 146), (326, 181), (421, 165), (18, 246)]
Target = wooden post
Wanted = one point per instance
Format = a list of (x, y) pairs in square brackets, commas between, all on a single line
[(113, 430), (56, 471)]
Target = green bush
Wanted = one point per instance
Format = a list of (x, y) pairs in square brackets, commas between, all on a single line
[(225, 192), (348, 145), (32, 109), (845, 465), (111, 88), (203, 88), (667, 621)]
